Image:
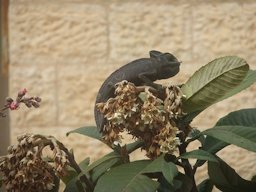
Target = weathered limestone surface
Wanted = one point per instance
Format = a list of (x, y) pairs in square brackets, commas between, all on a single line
[(63, 50)]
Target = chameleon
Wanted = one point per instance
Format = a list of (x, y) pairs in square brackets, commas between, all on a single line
[(142, 71)]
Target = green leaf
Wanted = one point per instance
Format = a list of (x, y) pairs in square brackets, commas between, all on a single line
[(211, 145), (168, 169), (253, 178), (70, 174), (186, 183), (108, 157), (99, 167), (102, 168), (213, 81), (90, 131), (74, 186), (84, 164), (226, 179), (244, 117), (181, 183), (165, 186), (205, 186), (127, 177), (199, 154), (249, 79), (241, 136)]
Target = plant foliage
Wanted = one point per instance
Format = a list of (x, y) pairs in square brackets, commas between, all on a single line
[(170, 168), (216, 81)]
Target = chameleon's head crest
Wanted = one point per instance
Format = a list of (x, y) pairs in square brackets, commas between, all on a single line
[(170, 64), (165, 57), (155, 54)]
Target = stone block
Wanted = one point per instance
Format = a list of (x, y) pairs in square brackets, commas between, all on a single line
[(77, 87), (223, 28), (68, 31), (138, 27)]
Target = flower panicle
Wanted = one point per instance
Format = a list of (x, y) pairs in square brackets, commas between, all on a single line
[(25, 169), (144, 114)]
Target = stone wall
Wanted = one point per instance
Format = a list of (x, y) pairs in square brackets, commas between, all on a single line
[(63, 50)]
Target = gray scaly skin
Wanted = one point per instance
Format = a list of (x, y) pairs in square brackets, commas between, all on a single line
[(140, 72)]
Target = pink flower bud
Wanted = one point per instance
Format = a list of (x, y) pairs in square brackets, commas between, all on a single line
[(22, 92), (14, 105)]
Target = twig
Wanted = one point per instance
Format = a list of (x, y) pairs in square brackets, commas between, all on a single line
[(74, 164), (14, 104), (186, 165), (52, 140)]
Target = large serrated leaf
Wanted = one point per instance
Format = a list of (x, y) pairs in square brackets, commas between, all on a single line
[(199, 154), (249, 79), (106, 158), (127, 178), (90, 131), (205, 186), (240, 136), (70, 174), (74, 185), (102, 168), (186, 183), (213, 81), (168, 169), (84, 164), (226, 179), (244, 117)]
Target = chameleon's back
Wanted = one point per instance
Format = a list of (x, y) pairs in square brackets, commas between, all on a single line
[(127, 72), (107, 89), (158, 66)]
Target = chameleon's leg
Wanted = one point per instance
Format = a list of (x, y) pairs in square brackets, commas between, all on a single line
[(148, 82), (160, 89)]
